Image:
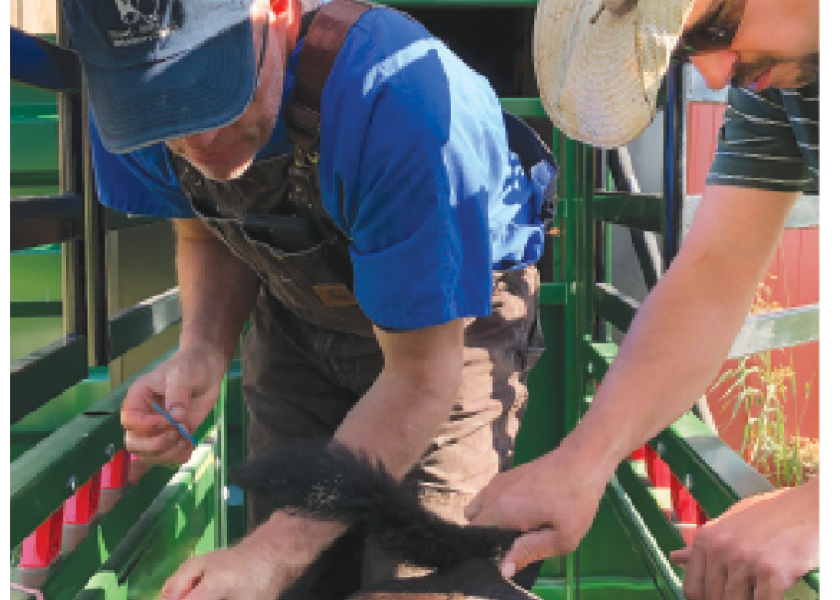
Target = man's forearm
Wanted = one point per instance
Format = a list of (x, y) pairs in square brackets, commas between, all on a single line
[(394, 422), (217, 290), (404, 409), (657, 377), (686, 326)]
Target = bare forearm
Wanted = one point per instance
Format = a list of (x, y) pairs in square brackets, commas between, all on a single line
[(394, 422), (397, 419), (671, 354), (685, 328), (217, 289)]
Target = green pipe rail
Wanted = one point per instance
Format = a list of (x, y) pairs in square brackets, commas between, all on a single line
[(170, 514)]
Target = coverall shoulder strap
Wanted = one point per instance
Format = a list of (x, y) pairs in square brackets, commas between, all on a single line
[(321, 46)]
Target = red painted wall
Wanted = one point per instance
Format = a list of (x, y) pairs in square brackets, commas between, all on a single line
[(792, 278)]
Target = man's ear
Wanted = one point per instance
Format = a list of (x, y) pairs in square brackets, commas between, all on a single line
[(287, 13)]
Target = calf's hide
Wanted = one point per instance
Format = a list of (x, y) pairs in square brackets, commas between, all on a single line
[(324, 480)]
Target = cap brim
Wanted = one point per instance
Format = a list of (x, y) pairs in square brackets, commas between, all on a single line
[(199, 90), (599, 74)]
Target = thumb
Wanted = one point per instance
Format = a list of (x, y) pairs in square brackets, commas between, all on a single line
[(136, 414), (529, 547), (680, 556)]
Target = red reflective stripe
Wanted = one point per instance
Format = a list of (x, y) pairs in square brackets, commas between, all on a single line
[(115, 471), (685, 506), (43, 544), (657, 470), (81, 507)]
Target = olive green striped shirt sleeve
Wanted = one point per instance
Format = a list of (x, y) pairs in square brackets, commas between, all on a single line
[(769, 140)]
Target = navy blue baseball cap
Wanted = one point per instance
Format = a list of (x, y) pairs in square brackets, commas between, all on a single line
[(159, 69)]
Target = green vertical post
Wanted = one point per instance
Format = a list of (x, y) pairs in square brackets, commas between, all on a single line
[(586, 262), (571, 277), (579, 278), (231, 450), (558, 267), (220, 475), (579, 274), (608, 266)]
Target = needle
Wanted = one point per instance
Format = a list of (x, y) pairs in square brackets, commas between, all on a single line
[(180, 427)]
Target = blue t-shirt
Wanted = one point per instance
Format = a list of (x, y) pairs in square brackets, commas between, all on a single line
[(414, 168)]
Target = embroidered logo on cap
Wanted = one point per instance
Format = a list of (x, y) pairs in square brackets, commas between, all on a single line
[(147, 21), (134, 11)]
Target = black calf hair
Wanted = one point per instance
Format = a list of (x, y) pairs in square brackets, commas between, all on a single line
[(326, 480)]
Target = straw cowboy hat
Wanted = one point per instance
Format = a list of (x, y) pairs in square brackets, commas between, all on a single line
[(600, 63)]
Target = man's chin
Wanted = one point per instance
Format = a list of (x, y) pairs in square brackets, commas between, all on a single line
[(794, 82), (223, 173), (783, 74), (806, 71)]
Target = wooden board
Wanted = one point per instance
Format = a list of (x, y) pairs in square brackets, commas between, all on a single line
[(33, 16)]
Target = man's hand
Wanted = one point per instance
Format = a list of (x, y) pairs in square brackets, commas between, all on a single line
[(260, 567), (552, 499), (244, 572), (757, 549), (186, 386)]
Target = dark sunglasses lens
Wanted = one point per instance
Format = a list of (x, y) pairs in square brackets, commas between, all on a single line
[(710, 39), (716, 32)]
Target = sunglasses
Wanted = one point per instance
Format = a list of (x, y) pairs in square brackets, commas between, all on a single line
[(713, 32)]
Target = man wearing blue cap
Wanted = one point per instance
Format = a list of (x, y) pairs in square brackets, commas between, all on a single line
[(382, 239)]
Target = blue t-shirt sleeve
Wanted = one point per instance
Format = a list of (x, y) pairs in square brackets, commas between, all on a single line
[(421, 166), (140, 182)]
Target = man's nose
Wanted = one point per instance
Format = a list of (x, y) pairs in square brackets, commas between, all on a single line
[(716, 67)]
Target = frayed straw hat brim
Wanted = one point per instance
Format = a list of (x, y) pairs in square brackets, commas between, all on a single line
[(599, 73)]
